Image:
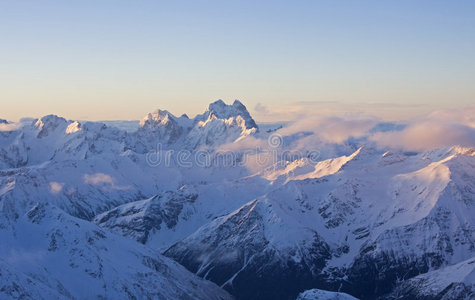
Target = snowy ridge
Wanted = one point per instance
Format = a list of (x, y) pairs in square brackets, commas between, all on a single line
[(452, 282), (142, 218), (303, 168), (171, 216)]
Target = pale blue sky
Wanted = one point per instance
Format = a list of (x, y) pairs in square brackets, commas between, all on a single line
[(121, 59)]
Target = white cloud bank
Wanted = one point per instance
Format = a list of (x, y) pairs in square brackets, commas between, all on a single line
[(4, 127), (328, 135), (439, 129), (331, 129)]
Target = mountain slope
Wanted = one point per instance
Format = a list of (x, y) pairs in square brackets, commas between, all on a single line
[(452, 282), (310, 232), (77, 259)]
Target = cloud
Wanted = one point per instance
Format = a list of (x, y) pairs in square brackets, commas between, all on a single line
[(465, 116), (262, 109), (300, 139), (331, 129), (20, 255), (246, 143), (9, 126), (439, 129), (55, 187), (328, 134), (104, 180), (387, 111), (427, 135), (98, 178)]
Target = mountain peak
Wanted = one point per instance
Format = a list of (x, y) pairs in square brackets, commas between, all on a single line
[(220, 123), (157, 117), (238, 105), (216, 104), (221, 110), (49, 119), (48, 123)]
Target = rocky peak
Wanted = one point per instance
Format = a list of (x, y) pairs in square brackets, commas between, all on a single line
[(49, 120), (49, 123), (158, 117)]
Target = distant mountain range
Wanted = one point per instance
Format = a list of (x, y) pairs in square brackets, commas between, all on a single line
[(215, 207)]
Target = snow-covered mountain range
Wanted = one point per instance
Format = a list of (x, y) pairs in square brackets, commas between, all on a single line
[(90, 210)]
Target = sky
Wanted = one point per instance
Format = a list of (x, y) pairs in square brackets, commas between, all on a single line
[(111, 60)]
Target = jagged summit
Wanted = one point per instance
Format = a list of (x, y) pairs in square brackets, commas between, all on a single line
[(220, 123), (216, 110), (221, 110), (49, 120), (160, 117), (216, 105), (48, 124)]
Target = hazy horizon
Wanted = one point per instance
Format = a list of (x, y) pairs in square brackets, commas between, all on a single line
[(292, 112)]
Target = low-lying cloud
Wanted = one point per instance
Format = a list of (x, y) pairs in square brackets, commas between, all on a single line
[(9, 126), (98, 178), (104, 180), (332, 136), (439, 129), (261, 108), (427, 135), (55, 187), (331, 129)]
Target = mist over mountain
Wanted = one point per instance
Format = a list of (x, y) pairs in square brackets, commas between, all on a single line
[(218, 206)]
